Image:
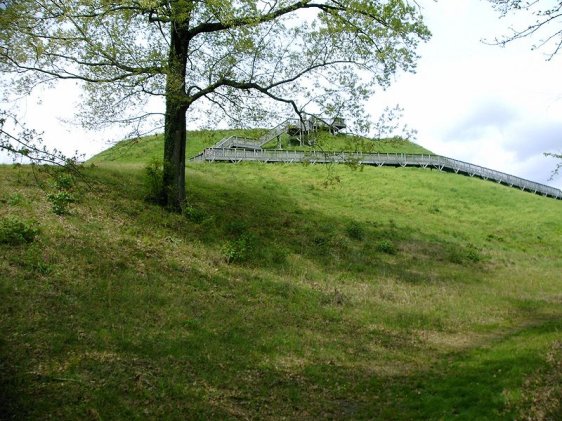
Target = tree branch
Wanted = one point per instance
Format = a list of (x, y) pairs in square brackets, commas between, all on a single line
[(208, 27)]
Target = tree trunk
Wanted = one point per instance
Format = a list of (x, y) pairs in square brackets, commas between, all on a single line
[(173, 187)]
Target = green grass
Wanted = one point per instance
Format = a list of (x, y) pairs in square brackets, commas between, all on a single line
[(151, 148), (393, 294), (333, 143)]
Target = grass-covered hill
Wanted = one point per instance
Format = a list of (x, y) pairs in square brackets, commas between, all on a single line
[(149, 148), (391, 294)]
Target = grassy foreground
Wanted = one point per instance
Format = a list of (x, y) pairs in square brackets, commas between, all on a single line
[(393, 294)]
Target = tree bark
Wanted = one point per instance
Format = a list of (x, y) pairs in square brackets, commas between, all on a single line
[(173, 187)]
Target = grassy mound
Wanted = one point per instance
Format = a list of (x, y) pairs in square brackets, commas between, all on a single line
[(325, 141), (149, 148), (392, 294)]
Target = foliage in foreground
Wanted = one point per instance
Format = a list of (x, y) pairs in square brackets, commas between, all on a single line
[(397, 294), (14, 230)]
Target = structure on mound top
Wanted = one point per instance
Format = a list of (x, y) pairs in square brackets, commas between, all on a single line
[(297, 128), (312, 124), (236, 149)]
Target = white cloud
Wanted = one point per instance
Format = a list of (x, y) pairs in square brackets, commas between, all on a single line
[(489, 116), (496, 107)]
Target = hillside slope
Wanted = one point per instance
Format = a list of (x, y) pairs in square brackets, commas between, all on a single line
[(284, 291), (149, 148)]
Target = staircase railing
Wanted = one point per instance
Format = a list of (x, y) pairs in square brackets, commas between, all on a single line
[(379, 159), (277, 131), (244, 142)]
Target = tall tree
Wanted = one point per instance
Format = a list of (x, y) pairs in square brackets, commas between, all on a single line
[(210, 57)]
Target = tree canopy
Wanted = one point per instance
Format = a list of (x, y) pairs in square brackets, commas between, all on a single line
[(239, 59)]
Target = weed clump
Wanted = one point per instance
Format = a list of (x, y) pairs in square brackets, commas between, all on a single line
[(355, 231), (240, 250), (16, 231), (464, 254), (61, 201), (62, 197), (153, 182), (386, 246), (194, 214), (14, 199)]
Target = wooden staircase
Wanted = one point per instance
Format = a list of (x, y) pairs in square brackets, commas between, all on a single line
[(227, 151)]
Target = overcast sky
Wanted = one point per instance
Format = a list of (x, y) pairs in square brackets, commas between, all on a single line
[(496, 107)]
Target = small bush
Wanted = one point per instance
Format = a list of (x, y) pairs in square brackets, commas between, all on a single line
[(154, 182), (15, 199), (64, 181), (62, 198), (464, 254), (386, 246), (472, 254), (239, 250), (355, 231), (17, 231), (61, 201), (194, 214)]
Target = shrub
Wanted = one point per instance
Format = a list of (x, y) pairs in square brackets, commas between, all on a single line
[(239, 250), (62, 198), (60, 202), (472, 254), (355, 231), (153, 182), (464, 254), (15, 199), (17, 231), (194, 214), (64, 181), (386, 246)]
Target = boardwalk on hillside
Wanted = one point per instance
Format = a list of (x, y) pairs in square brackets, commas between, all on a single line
[(233, 153)]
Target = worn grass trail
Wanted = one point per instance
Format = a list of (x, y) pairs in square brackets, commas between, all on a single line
[(392, 294)]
